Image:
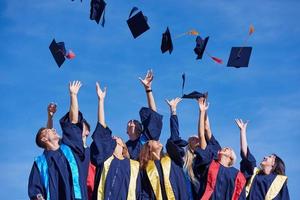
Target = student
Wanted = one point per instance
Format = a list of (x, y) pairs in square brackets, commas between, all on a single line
[(151, 122), (60, 172), (218, 179), (268, 181), (162, 174), (117, 176)]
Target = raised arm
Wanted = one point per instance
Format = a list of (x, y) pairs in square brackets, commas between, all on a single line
[(74, 89), (201, 133), (147, 82), (243, 139), (51, 111), (208, 132), (101, 96)]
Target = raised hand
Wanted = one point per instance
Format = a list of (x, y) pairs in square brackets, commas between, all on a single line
[(101, 93), (74, 87), (242, 125), (203, 105), (147, 81), (51, 109), (173, 104)]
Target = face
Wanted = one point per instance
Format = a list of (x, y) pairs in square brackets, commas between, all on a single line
[(193, 142), (155, 145), (268, 161), (133, 128), (226, 151), (50, 135), (119, 141), (85, 130)]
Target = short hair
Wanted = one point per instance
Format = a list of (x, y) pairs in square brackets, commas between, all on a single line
[(279, 166), (38, 138)]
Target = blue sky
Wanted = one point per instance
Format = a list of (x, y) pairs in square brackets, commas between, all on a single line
[(267, 93)]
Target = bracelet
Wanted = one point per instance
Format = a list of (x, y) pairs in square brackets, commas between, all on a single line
[(147, 91)]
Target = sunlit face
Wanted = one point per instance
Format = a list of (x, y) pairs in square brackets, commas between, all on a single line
[(268, 161), (118, 140), (155, 145), (50, 135), (225, 151), (133, 128), (85, 130), (193, 142)]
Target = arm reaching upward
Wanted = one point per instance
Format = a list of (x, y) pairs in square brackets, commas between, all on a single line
[(74, 89), (147, 82), (101, 96), (201, 133), (173, 104), (243, 139), (51, 111)]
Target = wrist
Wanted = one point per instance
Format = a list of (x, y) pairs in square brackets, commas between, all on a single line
[(173, 111), (148, 90)]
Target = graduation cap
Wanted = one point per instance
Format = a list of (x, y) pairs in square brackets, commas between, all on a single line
[(166, 42), (240, 56), (97, 9), (200, 50), (200, 46), (59, 52), (137, 23), (195, 95)]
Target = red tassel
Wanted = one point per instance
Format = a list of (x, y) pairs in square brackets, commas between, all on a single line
[(70, 55), (217, 60)]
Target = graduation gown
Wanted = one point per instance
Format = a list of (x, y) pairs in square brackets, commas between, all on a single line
[(226, 176), (59, 172), (115, 179), (167, 177), (152, 125), (259, 185)]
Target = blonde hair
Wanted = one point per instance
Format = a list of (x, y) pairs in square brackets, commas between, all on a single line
[(188, 164), (232, 158)]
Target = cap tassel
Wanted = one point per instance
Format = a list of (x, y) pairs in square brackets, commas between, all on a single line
[(217, 60), (70, 54)]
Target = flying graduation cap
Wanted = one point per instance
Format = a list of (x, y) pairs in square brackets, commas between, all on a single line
[(98, 10), (59, 52), (137, 23), (194, 94), (240, 56), (166, 42), (200, 49)]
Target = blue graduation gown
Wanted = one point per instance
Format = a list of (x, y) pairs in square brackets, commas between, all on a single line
[(261, 182), (60, 177), (225, 182), (152, 125), (118, 176), (175, 149)]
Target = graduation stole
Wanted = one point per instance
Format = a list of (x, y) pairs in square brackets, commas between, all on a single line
[(273, 190), (134, 170), (43, 168), (213, 171), (153, 177)]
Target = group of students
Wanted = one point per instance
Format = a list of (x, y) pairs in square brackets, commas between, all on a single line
[(110, 169)]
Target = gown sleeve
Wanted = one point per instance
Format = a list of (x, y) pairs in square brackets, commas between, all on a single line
[(152, 123), (72, 134), (248, 163), (175, 145), (102, 146), (35, 185)]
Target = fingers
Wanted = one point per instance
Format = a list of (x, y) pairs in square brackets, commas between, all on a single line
[(168, 102)]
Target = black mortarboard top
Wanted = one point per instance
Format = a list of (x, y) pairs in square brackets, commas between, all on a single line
[(239, 57), (137, 23), (166, 42), (200, 46), (97, 9), (58, 51), (195, 95)]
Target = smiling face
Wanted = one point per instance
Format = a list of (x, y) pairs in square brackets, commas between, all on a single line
[(134, 128), (268, 161), (227, 154)]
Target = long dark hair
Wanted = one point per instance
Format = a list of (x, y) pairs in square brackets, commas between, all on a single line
[(279, 166)]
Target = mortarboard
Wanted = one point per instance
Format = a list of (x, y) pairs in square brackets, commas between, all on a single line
[(166, 42), (239, 57), (59, 52), (137, 23), (200, 46), (195, 95), (97, 9)]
